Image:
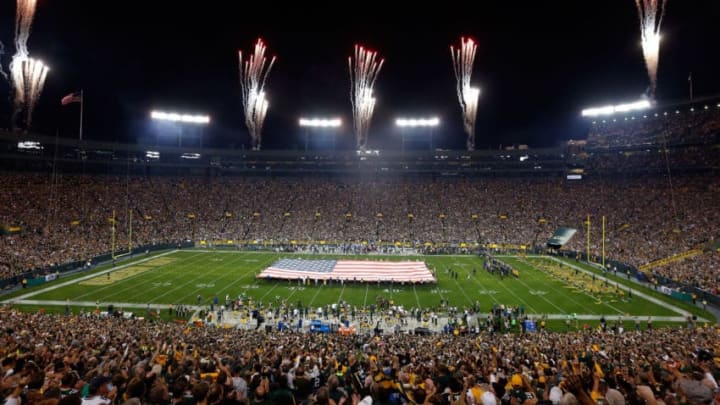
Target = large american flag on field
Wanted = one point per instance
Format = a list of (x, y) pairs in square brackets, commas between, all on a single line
[(358, 270)]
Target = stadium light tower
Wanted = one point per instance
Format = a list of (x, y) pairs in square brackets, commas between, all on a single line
[(427, 122), (180, 119), (321, 123), (617, 109)]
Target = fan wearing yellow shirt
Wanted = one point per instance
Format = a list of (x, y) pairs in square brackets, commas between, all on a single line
[(474, 392)]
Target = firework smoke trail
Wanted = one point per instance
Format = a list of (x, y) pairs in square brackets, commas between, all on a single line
[(463, 59), (258, 106), (253, 74), (471, 95), (23, 22), (2, 52), (651, 13), (20, 66), (35, 71), (364, 68)]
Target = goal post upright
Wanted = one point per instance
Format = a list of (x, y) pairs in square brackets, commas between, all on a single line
[(130, 232), (113, 237)]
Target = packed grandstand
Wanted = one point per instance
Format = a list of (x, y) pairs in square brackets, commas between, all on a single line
[(658, 190), (654, 178)]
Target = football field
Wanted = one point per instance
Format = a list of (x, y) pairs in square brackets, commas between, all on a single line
[(544, 286)]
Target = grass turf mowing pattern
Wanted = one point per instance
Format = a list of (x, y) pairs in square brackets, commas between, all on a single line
[(207, 274), (622, 279), (569, 285)]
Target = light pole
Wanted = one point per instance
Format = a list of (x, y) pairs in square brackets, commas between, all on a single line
[(427, 122), (181, 119), (326, 123)]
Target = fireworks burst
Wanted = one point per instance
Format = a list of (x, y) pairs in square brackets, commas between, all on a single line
[(651, 13), (364, 68), (258, 106), (253, 74), (463, 59), (35, 73), (28, 75)]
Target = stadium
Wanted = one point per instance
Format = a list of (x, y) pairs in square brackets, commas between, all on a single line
[(187, 270)]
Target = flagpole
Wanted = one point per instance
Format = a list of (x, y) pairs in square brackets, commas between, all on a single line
[(82, 105)]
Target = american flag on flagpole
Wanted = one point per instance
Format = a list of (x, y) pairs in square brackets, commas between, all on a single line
[(75, 97), (358, 270)]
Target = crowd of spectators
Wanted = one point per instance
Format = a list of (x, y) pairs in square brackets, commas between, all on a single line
[(69, 218), (54, 359), (694, 271), (654, 159), (698, 126), (665, 208), (654, 142), (86, 360)]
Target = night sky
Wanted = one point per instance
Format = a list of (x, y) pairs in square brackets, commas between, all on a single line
[(538, 64)]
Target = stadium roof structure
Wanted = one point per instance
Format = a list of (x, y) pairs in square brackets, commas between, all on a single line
[(37, 152), (659, 108)]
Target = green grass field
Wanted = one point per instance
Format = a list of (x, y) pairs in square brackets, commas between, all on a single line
[(545, 286)]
